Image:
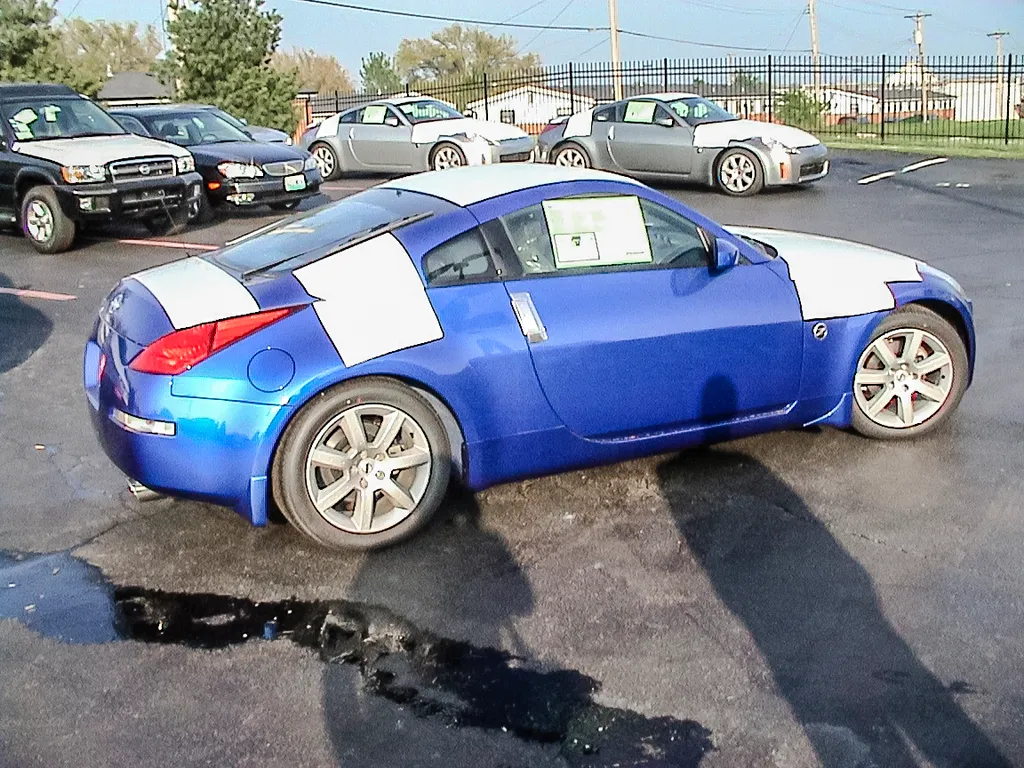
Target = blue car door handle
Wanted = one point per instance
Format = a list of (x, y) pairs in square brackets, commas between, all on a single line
[(529, 321)]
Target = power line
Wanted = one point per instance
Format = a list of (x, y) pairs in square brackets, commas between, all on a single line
[(525, 10), (527, 44)]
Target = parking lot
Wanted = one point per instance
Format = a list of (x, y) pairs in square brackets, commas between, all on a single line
[(799, 599)]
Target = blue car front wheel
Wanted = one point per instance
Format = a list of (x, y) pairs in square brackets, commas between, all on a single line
[(363, 465)]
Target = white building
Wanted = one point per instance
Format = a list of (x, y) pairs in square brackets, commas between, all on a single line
[(985, 99), (528, 105)]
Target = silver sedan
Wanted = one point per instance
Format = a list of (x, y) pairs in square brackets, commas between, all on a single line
[(672, 135)]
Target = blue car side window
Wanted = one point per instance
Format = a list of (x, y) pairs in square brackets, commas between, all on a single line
[(675, 240), (465, 258)]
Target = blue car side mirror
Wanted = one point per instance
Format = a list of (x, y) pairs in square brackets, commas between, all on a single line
[(726, 255)]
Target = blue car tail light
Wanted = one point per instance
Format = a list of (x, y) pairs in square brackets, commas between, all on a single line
[(178, 351)]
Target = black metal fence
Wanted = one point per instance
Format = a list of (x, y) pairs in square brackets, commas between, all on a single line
[(870, 99)]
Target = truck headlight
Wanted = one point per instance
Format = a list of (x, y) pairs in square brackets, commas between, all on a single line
[(310, 163), (186, 164), (239, 170), (83, 174)]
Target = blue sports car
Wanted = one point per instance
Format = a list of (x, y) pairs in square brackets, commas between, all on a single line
[(490, 323)]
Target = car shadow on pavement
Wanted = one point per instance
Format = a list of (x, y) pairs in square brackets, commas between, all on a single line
[(23, 328), (399, 693), (856, 687)]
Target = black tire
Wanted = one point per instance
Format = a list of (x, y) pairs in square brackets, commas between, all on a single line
[(205, 213), (335, 172), (739, 155), (441, 150), (290, 205), (917, 317), (60, 232), (167, 222), (572, 145), (288, 482)]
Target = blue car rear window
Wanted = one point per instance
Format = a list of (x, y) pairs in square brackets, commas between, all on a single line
[(319, 229)]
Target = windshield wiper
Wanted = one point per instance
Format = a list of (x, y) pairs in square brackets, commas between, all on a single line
[(346, 242)]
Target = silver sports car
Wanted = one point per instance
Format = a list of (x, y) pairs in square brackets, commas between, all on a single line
[(411, 134), (665, 135)]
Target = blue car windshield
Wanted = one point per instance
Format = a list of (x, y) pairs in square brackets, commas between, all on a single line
[(285, 242)]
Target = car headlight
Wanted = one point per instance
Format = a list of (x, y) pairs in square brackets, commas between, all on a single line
[(310, 163), (771, 143), (186, 164), (475, 136), (83, 174), (239, 170)]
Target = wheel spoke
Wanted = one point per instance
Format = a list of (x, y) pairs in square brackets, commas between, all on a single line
[(397, 494), (389, 430), (355, 433), (912, 346), (930, 391), (333, 493), (905, 408), (884, 353), (932, 363), (413, 457), (879, 401), (867, 378), (330, 458), (362, 515)]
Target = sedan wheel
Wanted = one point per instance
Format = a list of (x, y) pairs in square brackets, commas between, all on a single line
[(572, 156), (363, 465), (739, 173), (910, 375), (447, 156), (326, 161)]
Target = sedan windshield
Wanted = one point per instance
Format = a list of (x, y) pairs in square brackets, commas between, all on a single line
[(428, 110), (191, 129), (696, 111), (61, 118)]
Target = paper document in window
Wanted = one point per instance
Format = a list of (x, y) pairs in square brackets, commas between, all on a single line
[(597, 231)]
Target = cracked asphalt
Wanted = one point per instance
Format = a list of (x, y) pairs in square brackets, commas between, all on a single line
[(808, 598)]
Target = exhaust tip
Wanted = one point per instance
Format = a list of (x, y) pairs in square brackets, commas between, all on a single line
[(141, 492)]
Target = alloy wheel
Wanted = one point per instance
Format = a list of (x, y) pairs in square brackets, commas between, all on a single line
[(39, 221), (738, 173), (571, 157), (447, 157), (368, 468), (903, 378), (325, 159)]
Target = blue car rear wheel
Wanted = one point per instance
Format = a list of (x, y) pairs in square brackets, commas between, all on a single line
[(363, 465)]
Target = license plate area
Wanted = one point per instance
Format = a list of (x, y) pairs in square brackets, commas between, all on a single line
[(294, 183)]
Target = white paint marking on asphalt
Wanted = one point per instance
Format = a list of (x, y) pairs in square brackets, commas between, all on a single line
[(962, 186), (943, 184), (26, 293), (924, 164), (172, 244), (876, 177)]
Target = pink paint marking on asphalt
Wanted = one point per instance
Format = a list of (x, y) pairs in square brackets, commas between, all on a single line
[(26, 293), (172, 244)]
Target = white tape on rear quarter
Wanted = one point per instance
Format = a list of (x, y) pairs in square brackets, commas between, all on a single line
[(371, 300), (194, 291)]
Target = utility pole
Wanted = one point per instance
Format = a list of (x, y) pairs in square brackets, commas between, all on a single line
[(919, 39), (1000, 97), (613, 27), (173, 6), (812, 13)]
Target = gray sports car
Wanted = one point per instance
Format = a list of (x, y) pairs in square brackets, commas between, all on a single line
[(666, 135), (411, 134)]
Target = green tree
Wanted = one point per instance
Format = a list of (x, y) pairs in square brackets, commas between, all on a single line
[(458, 51), (96, 50), (316, 72), (799, 108), (221, 54), (28, 41), (379, 75), (746, 81)]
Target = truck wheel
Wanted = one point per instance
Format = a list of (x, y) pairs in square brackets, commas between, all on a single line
[(44, 223)]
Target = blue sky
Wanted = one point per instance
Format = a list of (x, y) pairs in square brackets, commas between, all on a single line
[(847, 27)]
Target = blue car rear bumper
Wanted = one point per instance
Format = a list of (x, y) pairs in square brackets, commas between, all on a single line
[(223, 440)]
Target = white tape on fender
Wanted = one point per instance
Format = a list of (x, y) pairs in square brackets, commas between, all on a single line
[(371, 300)]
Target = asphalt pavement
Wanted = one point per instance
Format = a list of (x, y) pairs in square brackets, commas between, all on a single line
[(809, 598)]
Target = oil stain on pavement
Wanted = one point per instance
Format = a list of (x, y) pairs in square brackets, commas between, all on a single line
[(454, 683)]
